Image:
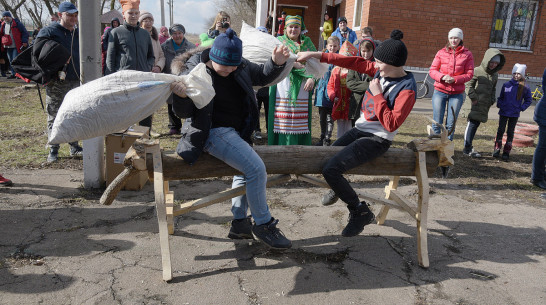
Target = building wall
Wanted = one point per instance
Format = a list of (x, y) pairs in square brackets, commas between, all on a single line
[(312, 16), (426, 23)]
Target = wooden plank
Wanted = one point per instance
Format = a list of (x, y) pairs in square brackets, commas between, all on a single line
[(313, 180), (404, 204), (161, 211), (169, 208), (377, 199), (222, 196), (422, 210), (393, 184), (280, 159)]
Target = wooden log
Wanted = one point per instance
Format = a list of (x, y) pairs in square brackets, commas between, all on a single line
[(295, 159)]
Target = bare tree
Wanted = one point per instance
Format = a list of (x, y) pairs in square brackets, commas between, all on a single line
[(238, 10), (13, 6)]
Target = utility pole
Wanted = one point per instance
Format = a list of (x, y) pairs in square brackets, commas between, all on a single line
[(162, 12), (90, 69)]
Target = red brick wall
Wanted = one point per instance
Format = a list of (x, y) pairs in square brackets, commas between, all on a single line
[(426, 23)]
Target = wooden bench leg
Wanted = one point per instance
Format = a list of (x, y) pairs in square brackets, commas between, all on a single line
[(169, 207), (393, 184), (160, 187), (422, 209)]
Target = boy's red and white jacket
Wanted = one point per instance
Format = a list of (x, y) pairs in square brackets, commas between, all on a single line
[(384, 113)]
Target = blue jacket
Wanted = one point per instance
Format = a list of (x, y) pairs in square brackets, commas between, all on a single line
[(540, 108), (507, 102), (321, 96), (70, 41), (351, 36)]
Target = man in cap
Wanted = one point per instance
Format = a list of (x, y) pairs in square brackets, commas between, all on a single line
[(130, 46), (65, 33)]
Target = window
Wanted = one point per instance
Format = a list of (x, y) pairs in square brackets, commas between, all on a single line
[(358, 15), (513, 24)]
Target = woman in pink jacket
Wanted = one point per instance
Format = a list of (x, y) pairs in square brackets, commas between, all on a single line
[(452, 67)]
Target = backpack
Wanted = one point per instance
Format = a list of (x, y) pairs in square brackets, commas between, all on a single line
[(41, 62)]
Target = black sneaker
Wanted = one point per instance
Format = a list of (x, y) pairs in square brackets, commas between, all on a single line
[(359, 217), (496, 153), (472, 153), (271, 235), (76, 150), (505, 156), (241, 229), (329, 198)]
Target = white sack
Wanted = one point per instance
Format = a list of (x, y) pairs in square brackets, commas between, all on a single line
[(116, 101), (258, 46)]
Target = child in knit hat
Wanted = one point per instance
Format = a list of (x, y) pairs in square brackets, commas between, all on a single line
[(385, 106), (223, 129), (514, 98)]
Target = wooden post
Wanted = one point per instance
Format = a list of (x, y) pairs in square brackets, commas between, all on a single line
[(422, 209), (393, 184), (159, 189)]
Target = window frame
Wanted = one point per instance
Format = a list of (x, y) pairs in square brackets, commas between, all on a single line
[(508, 23), (356, 27)]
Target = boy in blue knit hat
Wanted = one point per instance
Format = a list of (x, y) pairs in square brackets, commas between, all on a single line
[(223, 128)]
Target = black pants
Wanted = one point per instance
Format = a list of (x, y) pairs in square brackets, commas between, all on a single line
[(146, 122), (263, 98), (326, 123), (469, 134), (503, 120), (360, 147), (174, 121)]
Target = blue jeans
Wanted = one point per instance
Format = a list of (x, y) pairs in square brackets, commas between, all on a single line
[(12, 53), (439, 102), (227, 145), (540, 155)]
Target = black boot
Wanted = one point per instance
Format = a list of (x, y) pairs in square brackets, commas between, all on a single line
[(359, 217)]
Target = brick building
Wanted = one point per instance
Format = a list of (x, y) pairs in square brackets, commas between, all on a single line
[(516, 27)]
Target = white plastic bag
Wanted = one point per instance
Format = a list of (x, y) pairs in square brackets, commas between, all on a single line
[(258, 46), (116, 101)]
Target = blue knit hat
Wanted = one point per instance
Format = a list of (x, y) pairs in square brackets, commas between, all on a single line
[(227, 49), (6, 14)]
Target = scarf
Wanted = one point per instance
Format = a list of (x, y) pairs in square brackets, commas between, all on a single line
[(297, 75)]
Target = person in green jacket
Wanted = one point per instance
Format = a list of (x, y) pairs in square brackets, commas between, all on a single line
[(480, 93)]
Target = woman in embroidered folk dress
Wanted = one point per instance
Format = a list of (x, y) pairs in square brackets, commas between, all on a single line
[(290, 100)]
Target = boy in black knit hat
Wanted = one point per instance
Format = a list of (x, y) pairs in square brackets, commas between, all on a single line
[(385, 106)]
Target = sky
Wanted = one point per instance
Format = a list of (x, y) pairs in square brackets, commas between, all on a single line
[(192, 14)]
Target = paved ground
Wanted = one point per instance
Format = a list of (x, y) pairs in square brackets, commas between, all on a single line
[(59, 246)]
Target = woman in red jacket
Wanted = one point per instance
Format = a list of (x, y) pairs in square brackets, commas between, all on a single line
[(452, 67)]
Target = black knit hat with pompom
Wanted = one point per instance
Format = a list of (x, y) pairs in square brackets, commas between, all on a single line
[(392, 51)]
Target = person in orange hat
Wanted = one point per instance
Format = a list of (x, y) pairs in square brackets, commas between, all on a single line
[(130, 46)]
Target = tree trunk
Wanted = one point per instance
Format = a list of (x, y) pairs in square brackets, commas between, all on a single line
[(294, 160)]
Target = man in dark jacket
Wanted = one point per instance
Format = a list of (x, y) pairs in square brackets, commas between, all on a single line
[(224, 126), (172, 47), (130, 46), (65, 33), (14, 37)]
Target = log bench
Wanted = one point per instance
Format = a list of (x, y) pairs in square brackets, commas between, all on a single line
[(419, 160)]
